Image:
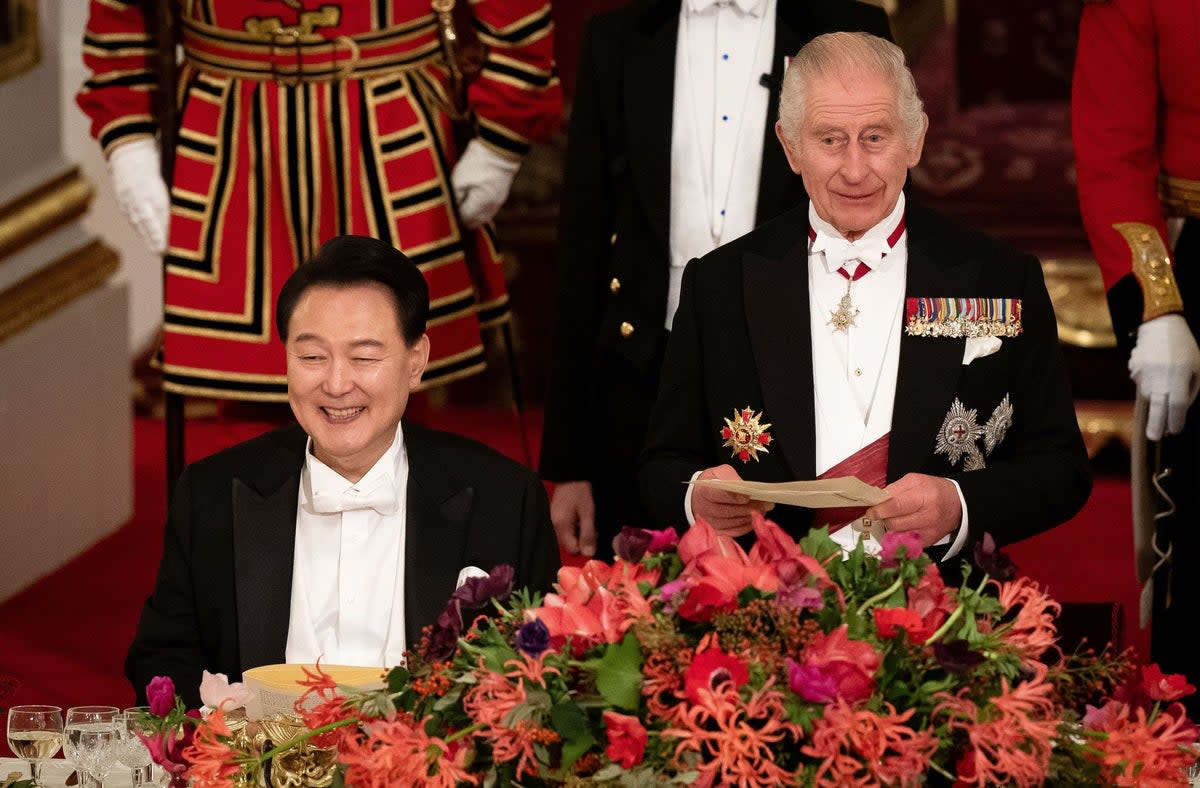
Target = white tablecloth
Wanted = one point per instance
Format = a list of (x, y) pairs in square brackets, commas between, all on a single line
[(55, 772)]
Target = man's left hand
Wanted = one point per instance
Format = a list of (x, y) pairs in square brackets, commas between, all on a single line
[(928, 505), (481, 181)]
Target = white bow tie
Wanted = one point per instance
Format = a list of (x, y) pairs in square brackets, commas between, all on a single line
[(838, 251), (381, 498), (746, 6)]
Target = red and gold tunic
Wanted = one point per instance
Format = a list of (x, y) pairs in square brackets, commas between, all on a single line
[(301, 120), (1135, 116)]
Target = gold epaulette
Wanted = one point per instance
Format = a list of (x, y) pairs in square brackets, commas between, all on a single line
[(1152, 266)]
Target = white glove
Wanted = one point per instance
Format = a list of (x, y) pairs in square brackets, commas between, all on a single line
[(481, 181), (136, 174), (1165, 365)]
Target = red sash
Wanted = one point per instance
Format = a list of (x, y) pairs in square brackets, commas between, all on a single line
[(868, 464)]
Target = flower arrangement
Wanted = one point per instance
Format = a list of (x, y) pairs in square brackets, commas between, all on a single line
[(693, 662)]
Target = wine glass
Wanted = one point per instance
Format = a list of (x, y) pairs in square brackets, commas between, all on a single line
[(92, 737), (35, 734), (132, 751)]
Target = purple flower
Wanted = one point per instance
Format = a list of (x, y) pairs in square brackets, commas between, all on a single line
[(671, 594), (443, 638), (475, 593), (892, 541), (160, 694), (957, 656), (631, 544), (533, 637), (988, 558), (810, 682)]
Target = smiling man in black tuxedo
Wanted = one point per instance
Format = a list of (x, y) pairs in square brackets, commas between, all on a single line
[(341, 537), (863, 335)]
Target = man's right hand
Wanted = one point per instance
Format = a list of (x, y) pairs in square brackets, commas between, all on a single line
[(727, 512), (573, 512), (141, 192), (1165, 365)]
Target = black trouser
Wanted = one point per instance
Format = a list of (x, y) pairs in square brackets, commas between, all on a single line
[(623, 401), (1174, 629)]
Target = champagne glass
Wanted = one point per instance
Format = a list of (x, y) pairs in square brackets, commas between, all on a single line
[(132, 751), (35, 734), (91, 735)]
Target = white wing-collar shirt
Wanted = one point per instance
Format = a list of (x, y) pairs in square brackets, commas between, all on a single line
[(348, 572), (718, 122), (854, 371)]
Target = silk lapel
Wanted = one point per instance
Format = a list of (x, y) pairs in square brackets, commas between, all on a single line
[(929, 369), (264, 545), (779, 188), (777, 314), (649, 101), (436, 531)]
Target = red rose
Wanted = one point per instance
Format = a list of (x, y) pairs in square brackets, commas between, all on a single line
[(850, 663), (626, 739)]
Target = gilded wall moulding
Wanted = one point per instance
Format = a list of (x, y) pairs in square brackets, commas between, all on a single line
[(42, 210), (48, 290), (1080, 304), (20, 47)]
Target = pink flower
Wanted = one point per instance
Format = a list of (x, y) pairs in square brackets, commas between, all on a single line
[(810, 683), (703, 539), (626, 739), (851, 664), (662, 540), (160, 694), (216, 692), (892, 541)]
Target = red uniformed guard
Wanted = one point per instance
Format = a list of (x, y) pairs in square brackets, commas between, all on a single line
[(1136, 127), (302, 120)]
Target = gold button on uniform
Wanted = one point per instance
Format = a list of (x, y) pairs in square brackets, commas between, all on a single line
[(858, 372), (615, 285), (627, 330), (613, 239)]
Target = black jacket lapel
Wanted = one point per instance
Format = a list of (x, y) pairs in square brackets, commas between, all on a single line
[(777, 316), (649, 83), (264, 542), (436, 532), (929, 367)]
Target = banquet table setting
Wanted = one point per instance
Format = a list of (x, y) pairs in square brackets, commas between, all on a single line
[(56, 772), (102, 746)]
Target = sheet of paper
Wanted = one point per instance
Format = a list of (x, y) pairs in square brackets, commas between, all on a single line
[(815, 494)]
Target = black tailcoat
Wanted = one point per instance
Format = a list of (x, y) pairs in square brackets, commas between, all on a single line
[(223, 595), (742, 339)]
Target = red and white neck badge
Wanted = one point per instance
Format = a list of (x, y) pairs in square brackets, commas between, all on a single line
[(854, 260), (745, 436), (959, 436)]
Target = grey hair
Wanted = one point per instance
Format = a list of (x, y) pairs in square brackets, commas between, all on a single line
[(834, 52)]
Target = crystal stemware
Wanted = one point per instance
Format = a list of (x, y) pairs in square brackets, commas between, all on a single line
[(91, 737), (35, 734), (132, 750)]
